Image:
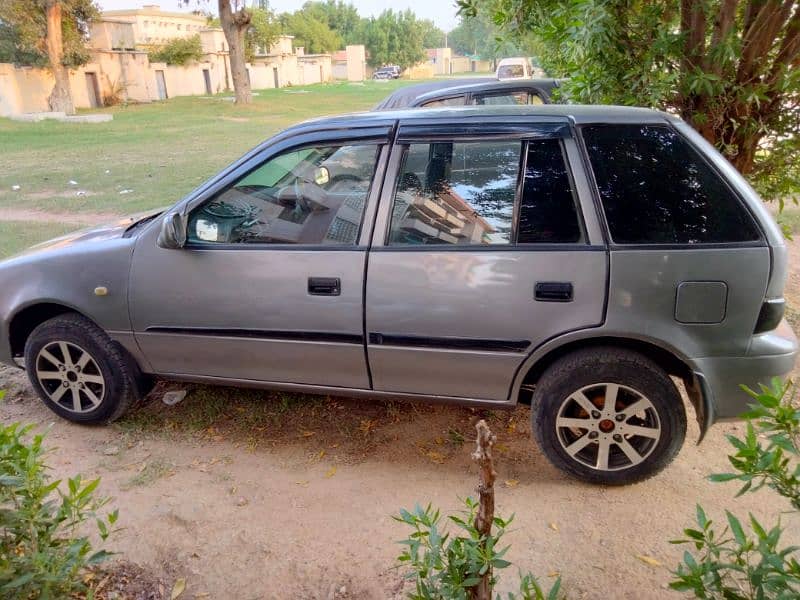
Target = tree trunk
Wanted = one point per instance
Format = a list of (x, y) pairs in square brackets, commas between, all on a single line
[(485, 516), (61, 97), (235, 24)]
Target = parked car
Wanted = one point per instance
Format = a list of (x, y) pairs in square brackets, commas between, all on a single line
[(518, 67), (387, 72), (475, 91), (572, 258)]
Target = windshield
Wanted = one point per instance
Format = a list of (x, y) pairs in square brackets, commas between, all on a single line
[(511, 71)]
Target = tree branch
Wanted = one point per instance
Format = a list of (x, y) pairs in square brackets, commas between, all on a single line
[(760, 35), (723, 24)]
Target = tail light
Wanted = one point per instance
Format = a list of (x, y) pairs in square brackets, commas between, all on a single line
[(770, 315)]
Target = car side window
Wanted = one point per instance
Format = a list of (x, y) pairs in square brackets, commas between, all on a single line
[(547, 213), (657, 189), (505, 98), (454, 101), (456, 193), (314, 195)]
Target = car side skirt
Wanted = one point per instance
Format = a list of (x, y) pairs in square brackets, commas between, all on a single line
[(341, 391)]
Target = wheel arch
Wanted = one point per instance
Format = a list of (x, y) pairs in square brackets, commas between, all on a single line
[(663, 355), (28, 318)]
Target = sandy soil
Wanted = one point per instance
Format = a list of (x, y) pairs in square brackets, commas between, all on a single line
[(303, 510), (25, 214)]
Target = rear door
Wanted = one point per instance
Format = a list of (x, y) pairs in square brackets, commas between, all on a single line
[(486, 246)]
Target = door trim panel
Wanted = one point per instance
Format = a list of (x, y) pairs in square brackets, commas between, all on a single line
[(448, 343), (263, 334)]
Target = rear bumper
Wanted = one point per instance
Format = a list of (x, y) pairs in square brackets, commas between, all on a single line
[(771, 355)]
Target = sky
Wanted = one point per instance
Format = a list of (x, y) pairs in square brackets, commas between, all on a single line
[(441, 12)]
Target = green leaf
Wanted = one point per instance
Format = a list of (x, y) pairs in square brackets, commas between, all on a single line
[(19, 581), (736, 528), (721, 477)]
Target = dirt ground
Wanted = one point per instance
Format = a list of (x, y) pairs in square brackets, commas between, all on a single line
[(260, 496)]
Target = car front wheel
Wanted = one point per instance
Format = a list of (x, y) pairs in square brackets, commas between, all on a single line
[(79, 372), (608, 415)]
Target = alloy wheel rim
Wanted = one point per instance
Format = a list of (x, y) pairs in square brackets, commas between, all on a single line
[(608, 426), (70, 377)]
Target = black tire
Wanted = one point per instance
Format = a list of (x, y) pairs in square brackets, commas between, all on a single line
[(587, 371), (122, 383)]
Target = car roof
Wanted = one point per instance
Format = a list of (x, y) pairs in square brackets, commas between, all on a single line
[(493, 85), (414, 95), (574, 113), (404, 96)]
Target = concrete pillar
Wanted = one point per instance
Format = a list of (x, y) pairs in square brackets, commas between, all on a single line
[(356, 62)]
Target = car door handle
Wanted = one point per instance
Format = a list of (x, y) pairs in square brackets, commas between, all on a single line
[(552, 291), (324, 286)]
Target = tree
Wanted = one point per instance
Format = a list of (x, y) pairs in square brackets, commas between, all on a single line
[(478, 36), (51, 32), (728, 67), (235, 21), (340, 17), (394, 38), (178, 51), (234, 18), (263, 31), (432, 36), (309, 32)]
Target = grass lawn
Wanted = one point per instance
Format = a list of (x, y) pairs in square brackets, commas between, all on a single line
[(15, 236), (158, 151)]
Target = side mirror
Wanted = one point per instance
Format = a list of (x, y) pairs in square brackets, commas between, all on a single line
[(322, 175), (173, 231)]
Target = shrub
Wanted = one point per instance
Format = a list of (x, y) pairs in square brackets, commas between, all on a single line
[(178, 51), (41, 554), (444, 566), (732, 563)]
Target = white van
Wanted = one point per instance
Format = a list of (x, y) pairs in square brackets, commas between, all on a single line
[(514, 68)]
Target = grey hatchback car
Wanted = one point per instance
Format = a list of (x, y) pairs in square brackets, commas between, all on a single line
[(587, 261)]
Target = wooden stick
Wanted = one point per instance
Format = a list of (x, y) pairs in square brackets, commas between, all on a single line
[(485, 516)]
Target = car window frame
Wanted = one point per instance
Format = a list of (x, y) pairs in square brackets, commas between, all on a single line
[(530, 91), (426, 102), (363, 237), (589, 239), (659, 246)]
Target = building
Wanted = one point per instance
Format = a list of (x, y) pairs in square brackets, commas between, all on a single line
[(120, 69), (444, 62), (151, 26)]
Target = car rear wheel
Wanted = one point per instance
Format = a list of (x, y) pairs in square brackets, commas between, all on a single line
[(79, 372), (608, 415)]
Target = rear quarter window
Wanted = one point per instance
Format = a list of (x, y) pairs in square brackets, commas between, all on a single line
[(657, 189)]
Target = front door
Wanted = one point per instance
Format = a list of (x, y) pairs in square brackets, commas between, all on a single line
[(269, 286), (480, 254), (161, 85), (93, 90), (207, 80)]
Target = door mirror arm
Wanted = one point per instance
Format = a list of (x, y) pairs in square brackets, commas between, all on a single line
[(173, 231)]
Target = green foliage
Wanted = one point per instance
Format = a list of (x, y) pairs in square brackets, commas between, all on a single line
[(178, 51), (479, 36), (733, 563), (445, 566), (23, 29), (341, 18), (394, 38), (311, 33), (41, 556), (263, 32), (728, 68), (432, 36), (12, 49)]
